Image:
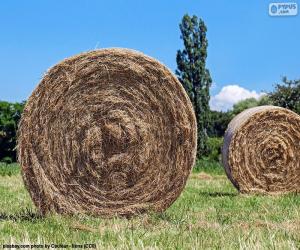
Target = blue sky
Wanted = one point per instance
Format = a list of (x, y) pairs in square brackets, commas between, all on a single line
[(248, 49)]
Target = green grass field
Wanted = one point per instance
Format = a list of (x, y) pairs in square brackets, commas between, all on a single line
[(209, 214)]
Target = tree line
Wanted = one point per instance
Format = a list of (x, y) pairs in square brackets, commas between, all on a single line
[(196, 80), (10, 114)]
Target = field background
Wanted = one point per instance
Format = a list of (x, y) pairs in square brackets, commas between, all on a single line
[(209, 214)]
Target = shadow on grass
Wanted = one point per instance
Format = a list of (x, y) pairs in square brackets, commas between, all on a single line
[(218, 194), (24, 215)]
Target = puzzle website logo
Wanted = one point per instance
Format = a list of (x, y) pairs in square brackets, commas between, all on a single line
[(283, 9)]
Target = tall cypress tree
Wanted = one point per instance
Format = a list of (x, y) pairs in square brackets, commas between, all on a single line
[(192, 73)]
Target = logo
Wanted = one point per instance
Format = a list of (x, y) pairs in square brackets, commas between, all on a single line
[(283, 9)]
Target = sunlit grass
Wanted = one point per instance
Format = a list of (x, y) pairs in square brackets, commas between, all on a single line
[(209, 214)]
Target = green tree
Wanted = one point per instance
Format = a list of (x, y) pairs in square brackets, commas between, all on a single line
[(243, 105), (10, 114), (218, 123), (192, 73), (287, 94), (249, 103), (219, 120)]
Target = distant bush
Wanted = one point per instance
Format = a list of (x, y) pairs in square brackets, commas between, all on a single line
[(9, 169), (249, 103), (208, 166), (212, 162), (218, 123), (10, 114), (214, 148)]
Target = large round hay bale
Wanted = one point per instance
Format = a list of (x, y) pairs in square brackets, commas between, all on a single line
[(107, 132), (261, 151)]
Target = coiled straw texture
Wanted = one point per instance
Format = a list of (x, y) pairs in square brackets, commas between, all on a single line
[(261, 151), (107, 132)]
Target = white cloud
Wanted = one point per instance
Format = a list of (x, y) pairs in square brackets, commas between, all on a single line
[(231, 94)]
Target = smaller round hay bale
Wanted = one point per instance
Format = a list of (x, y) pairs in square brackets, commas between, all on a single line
[(107, 132), (261, 151)]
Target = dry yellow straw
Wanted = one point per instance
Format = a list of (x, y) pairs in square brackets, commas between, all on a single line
[(261, 152), (108, 132)]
